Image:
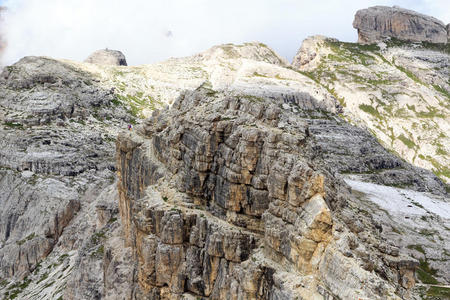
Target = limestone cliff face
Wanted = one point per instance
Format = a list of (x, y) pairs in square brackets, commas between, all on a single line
[(398, 90), (56, 159), (240, 204), (379, 22)]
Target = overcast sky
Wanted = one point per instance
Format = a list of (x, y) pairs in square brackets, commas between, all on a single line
[(148, 31)]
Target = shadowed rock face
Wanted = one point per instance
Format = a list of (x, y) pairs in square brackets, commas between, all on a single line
[(107, 57), (378, 22)]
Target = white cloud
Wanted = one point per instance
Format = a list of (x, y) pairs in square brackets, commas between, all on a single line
[(140, 28)]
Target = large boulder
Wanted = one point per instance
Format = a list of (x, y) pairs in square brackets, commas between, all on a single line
[(379, 22), (448, 33), (107, 57)]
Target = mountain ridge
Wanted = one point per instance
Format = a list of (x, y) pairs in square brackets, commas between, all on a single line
[(242, 176)]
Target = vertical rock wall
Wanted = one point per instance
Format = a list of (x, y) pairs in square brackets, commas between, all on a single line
[(233, 205)]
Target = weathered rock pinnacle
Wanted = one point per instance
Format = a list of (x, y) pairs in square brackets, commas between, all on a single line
[(379, 22)]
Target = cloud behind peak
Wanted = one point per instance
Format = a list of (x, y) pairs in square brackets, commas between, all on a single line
[(150, 31)]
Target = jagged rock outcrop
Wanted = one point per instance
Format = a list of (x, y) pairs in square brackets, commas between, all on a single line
[(308, 51), (107, 57), (241, 205), (379, 22)]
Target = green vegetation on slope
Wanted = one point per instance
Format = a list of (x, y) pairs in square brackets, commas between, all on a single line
[(137, 103), (370, 110), (360, 65)]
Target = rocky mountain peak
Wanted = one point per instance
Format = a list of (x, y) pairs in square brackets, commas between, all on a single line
[(107, 57), (379, 22), (252, 51), (241, 178), (307, 53)]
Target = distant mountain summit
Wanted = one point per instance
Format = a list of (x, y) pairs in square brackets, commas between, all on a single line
[(379, 22), (107, 57)]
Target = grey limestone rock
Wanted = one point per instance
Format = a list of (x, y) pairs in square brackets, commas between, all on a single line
[(107, 57), (213, 205), (234, 192), (55, 159), (379, 22)]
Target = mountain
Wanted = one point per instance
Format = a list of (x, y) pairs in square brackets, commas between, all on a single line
[(398, 90), (242, 177)]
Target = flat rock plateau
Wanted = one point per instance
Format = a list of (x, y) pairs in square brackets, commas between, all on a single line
[(243, 176)]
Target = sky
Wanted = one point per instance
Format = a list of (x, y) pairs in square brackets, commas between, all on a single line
[(148, 31)]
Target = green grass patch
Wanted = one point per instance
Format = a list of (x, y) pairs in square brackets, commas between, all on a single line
[(440, 151), (3, 283), (431, 113), (15, 289), (370, 110), (13, 125), (63, 257), (112, 220), (442, 91), (43, 277), (252, 98), (439, 292), (427, 232), (439, 170), (28, 238), (256, 74), (417, 248), (97, 237), (410, 74), (137, 103), (394, 42), (49, 284), (353, 52), (425, 273), (409, 143), (99, 252), (417, 204), (116, 102)]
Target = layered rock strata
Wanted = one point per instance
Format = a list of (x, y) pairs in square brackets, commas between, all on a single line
[(240, 204), (379, 22), (55, 158)]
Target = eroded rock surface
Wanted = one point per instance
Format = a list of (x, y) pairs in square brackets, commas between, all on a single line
[(107, 57), (240, 204), (379, 22), (57, 131)]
